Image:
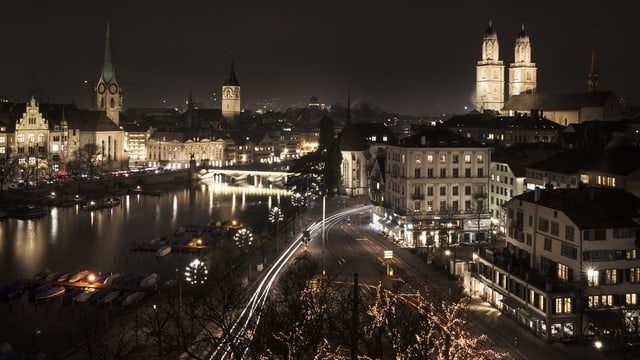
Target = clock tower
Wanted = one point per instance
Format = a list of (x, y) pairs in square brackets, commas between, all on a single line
[(231, 96), (490, 74), (522, 72), (108, 92)]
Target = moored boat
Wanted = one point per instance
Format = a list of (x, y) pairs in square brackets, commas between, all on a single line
[(50, 293), (28, 212), (42, 274), (100, 294), (70, 296), (53, 276), (11, 290), (133, 298), (112, 278), (158, 241), (149, 280), (85, 295), (110, 296), (65, 276), (163, 251), (79, 276), (34, 293)]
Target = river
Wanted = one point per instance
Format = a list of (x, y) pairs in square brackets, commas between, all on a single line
[(69, 239)]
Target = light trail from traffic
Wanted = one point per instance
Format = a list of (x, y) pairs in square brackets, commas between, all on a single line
[(249, 317)]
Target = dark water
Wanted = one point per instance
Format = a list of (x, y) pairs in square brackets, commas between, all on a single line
[(73, 239)]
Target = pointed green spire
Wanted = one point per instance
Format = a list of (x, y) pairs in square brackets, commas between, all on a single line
[(107, 67)]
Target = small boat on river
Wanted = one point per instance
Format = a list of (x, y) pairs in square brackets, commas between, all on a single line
[(85, 295), (150, 280), (133, 298), (110, 296), (79, 276), (42, 274), (27, 212), (9, 291), (163, 251), (50, 293)]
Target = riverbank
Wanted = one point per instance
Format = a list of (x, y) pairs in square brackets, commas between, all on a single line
[(106, 185)]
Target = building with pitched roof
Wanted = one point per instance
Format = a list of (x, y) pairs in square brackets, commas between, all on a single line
[(566, 109), (437, 187), (571, 265)]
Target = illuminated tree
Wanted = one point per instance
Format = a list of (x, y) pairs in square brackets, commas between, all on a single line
[(275, 216), (244, 241)]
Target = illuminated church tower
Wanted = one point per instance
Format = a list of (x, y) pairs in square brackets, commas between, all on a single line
[(522, 72), (231, 96), (490, 74), (108, 93)]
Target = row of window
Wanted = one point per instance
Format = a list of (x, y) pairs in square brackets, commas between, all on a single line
[(417, 172), (442, 158), (613, 276), (455, 207), (417, 190)]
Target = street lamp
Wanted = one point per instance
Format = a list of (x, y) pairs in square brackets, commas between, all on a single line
[(297, 200), (275, 216), (244, 239)]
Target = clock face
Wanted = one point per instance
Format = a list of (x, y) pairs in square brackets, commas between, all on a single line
[(113, 88), (101, 88)]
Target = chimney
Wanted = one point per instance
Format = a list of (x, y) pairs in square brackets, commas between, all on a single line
[(423, 140), (536, 194)]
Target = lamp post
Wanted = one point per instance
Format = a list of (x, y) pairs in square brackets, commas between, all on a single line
[(275, 216), (297, 200), (244, 239)]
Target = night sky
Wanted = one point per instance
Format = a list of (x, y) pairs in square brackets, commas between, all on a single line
[(408, 57)]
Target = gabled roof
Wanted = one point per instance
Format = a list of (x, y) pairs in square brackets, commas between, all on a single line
[(567, 161), (357, 137), (575, 101), (89, 120), (501, 122), (437, 136), (589, 208)]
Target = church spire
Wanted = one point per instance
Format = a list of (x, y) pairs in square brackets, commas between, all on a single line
[(107, 66), (232, 75), (592, 79)]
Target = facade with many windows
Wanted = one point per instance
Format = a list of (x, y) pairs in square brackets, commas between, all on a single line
[(437, 189), (571, 264)]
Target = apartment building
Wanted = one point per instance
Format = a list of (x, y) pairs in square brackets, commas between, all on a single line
[(436, 189), (571, 265)]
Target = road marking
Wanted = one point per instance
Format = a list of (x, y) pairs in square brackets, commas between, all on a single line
[(362, 239)]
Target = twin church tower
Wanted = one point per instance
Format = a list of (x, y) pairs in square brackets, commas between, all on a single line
[(490, 71)]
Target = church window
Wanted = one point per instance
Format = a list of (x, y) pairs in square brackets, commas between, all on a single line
[(112, 103)]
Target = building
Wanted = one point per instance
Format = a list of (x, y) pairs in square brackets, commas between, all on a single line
[(566, 109), (108, 92), (504, 130), (571, 265), (490, 74), (523, 72), (231, 96), (437, 187)]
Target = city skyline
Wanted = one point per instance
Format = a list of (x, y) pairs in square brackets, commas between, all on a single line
[(399, 58)]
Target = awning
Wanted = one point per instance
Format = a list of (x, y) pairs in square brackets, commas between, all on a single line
[(606, 319), (511, 302)]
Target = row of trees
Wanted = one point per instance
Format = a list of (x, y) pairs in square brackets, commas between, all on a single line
[(318, 173), (307, 317), (87, 160)]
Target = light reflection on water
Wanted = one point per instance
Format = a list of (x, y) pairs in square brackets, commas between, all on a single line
[(71, 239)]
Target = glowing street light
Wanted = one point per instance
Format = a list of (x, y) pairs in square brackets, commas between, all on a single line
[(243, 240), (196, 272)]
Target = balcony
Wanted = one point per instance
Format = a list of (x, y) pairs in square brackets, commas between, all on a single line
[(417, 196), (518, 267)]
